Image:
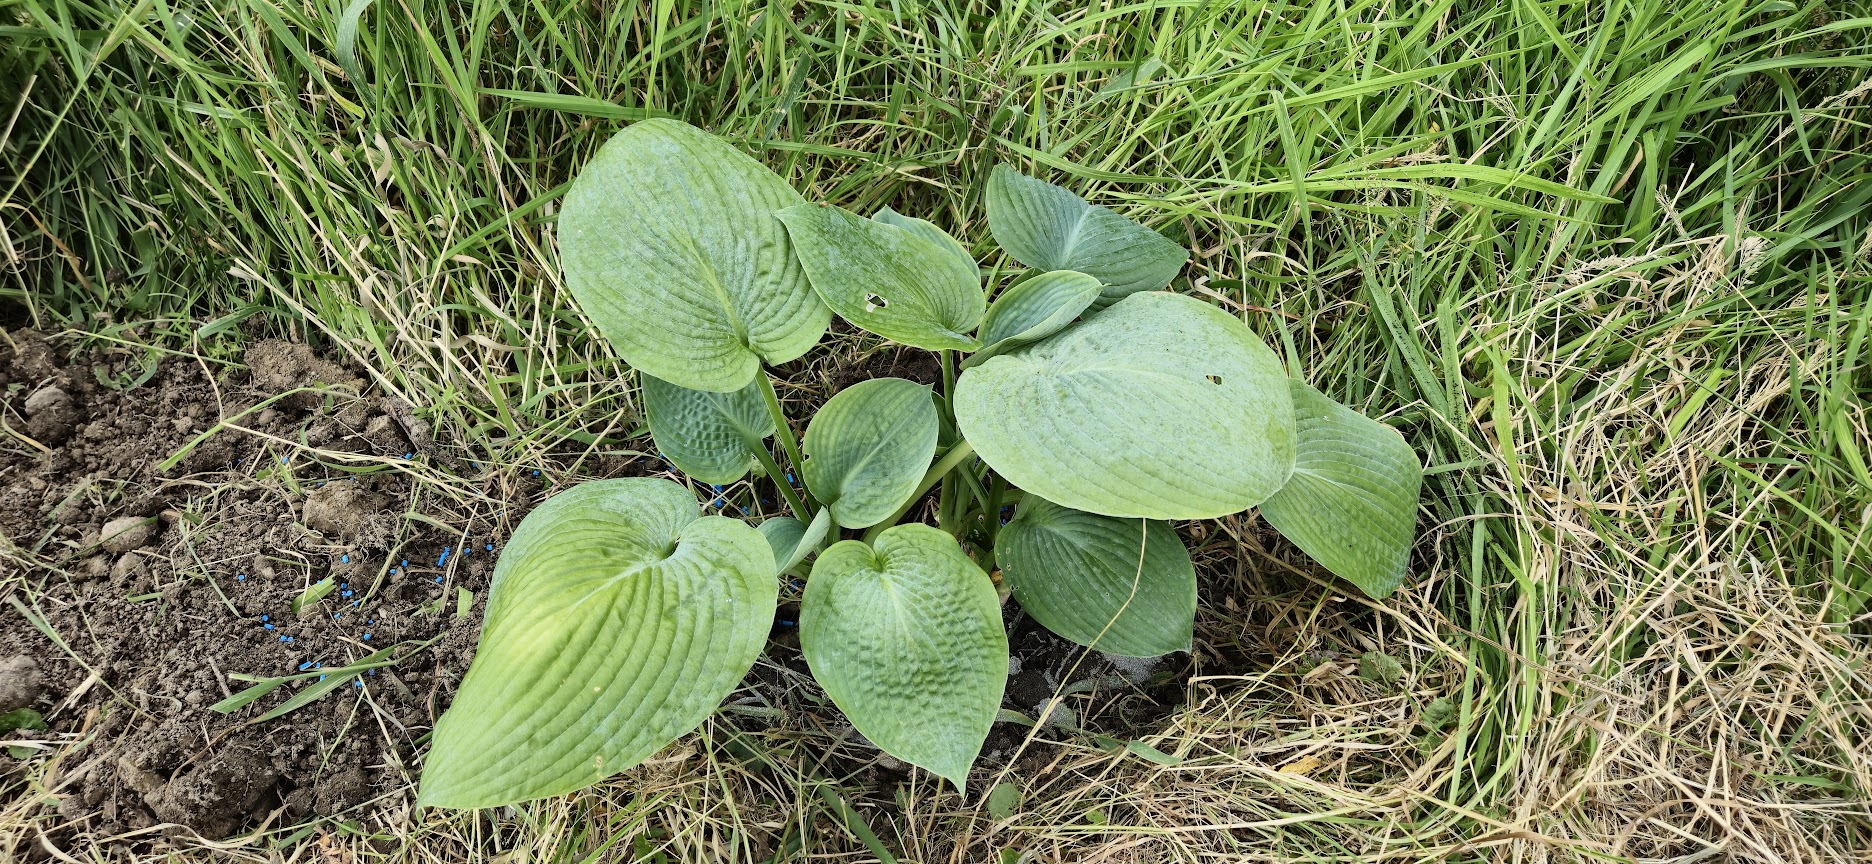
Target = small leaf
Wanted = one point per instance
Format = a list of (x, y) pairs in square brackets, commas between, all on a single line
[(1380, 668), (906, 637), (1101, 581), (867, 448), (1440, 713), (888, 279), (1049, 228), (710, 436), (1161, 406), (1352, 500), (618, 619), (928, 230), (1003, 800), (792, 540), (1035, 309), (21, 718), (670, 245), (1303, 766)]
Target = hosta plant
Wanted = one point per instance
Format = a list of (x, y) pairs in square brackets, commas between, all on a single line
[(1097, 405)]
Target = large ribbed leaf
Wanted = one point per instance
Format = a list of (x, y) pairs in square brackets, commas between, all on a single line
[(867, 448), (1123, 586), (888, 279), (617, 621), (792, 540), (1049, 228), (906, 638), (1161, 406), (670, 244), (1033, 310), (710, 436), (1352, 500)]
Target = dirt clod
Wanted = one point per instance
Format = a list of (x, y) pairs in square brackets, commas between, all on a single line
[(51, 415), (340, 792), (128, 533), (20, 682), (348, 514), (216, 797), (280, 366)]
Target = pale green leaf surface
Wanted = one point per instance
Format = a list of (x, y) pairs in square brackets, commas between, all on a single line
[(888, 279), (1035, 309), (669, 242), (1123, 586), (617, 620), (1352, 500), (710, 436), (1049, 228), (927, 229), (867, 448), (906, 637), (792, 540), (1161, 406)]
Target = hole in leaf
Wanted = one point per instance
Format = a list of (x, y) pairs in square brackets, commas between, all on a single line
[(1214, 379), (874, 302)]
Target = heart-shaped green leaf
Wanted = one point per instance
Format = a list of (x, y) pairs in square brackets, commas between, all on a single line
[(670, 244), (710, 436), (1161, 406), (1352, 500), (906, 637), (1123, 586), (888, 279), (1049, 228), (867, 448), (1033, 310), (926, 229), (616, 622), (792, 540)]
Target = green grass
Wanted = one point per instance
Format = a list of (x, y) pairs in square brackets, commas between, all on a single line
[(1608, 265)]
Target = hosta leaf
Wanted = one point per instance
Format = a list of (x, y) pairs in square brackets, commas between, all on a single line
[(1035, 309), (710, 436), (1049, 228), (670, 244), (617, 621), (792, 540), (906, 637), (1352, 500), (928, 230), (888, 279), (1161, 406), (867, 448), (1123, 586)]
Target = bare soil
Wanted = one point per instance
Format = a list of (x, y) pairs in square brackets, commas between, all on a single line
[(162, 582), (151, 563)]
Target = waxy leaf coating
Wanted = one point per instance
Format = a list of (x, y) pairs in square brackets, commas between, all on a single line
[(710, 436), (1049, 228), (906, 637), (792, 540), (670, 244), (1352, 500), (888, 279), (1123, 586), (1035, 309), (867, 448), (929, 230), (1162, 406), (617, 621)]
